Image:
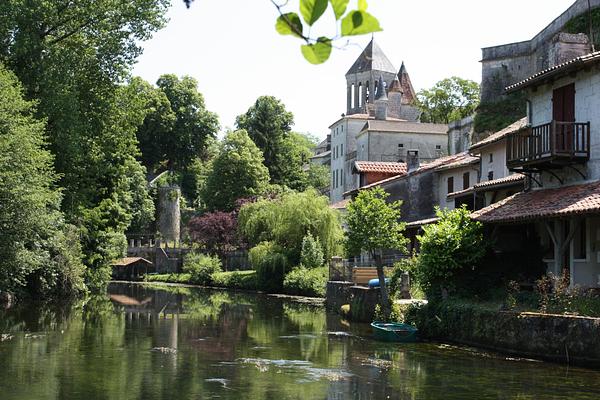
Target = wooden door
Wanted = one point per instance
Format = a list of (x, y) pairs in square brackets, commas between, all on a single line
[(563, 111)]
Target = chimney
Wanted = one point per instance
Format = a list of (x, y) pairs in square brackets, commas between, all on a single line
[(412, 160)]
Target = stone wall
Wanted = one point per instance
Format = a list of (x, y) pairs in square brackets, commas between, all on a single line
[(169, 214), (460, 135), (571, 339), (510, 63), (362, 300)]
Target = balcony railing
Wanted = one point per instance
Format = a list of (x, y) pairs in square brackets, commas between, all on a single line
[(545, 146)]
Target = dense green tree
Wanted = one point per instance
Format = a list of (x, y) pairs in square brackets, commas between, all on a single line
[(269, 125), (373, 226), (448, 100), (71, 56), (293, 161), (177, 128), (237, 172), (450, 249), (38, 251)]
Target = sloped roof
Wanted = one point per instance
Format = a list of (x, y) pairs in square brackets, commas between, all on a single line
[(408, 92), (405, 127), (500, 182), (501, 134), (380, 167), (460, 193), (372, 59), (557, 70), (123, 262), (548, 203), (463, 161)]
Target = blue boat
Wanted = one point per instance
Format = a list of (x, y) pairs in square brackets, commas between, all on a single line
[(394, 332)]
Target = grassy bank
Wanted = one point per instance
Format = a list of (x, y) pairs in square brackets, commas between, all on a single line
[(308, 284)]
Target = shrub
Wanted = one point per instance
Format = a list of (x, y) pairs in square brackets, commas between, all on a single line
[(245, 280), (201, 267), (270, 263), (451, 251), (409, 265), (311, 255), (306, 282)]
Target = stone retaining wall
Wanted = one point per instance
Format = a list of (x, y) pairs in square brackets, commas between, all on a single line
[(362, 300), (569, 339)]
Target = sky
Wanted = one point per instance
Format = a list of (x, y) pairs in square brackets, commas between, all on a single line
[(232, 49)]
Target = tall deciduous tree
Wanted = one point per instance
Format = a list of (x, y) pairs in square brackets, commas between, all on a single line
[(269, 125), (374, 225), (71, 56), (178, 126), (38, 251), (448, 100), (238, 172)]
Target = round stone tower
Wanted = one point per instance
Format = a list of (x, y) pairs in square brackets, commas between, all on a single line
[(169, 213)]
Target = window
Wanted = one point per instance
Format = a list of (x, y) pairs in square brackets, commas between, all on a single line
[(342, 128), (450, 184), (438, 147), (580, 242), (490, 175), (400, 145), (342, 151), (466, 180), (491, 157)]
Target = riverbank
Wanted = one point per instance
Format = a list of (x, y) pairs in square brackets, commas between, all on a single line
[(248, 280), (319, 301), (569, 339)]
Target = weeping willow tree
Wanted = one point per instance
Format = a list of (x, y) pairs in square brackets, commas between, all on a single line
[(288, 219)]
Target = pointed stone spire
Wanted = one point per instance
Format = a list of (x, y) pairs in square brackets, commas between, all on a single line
[(381, 94), (372, 59), (409, 95), (395, 87)]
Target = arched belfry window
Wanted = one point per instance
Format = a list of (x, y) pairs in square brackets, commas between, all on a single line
[(360, 95), (352, 91), (368, 93)]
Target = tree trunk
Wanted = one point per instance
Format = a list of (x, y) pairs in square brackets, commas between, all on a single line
[(385, 300)]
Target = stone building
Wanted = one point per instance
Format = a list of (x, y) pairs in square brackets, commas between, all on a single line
[(381, 122), (558, 151), (507, 64)]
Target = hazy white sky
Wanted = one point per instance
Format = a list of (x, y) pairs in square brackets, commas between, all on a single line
[(233, 50)]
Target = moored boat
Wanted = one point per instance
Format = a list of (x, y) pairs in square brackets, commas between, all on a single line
[(394, 332)]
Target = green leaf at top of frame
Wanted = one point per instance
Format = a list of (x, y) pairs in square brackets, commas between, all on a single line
[(319, 52), (362, 5), (312, 10), (358, 23), (339, 7), (289, 24)]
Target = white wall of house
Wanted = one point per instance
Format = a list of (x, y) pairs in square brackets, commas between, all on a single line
[(587, 108), (493, 159), (457, 175), (343, 142), (392, 146)]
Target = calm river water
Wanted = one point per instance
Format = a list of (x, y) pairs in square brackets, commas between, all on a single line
[(181, 343)]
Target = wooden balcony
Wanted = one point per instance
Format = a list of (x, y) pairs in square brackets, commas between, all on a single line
[(547, 146)]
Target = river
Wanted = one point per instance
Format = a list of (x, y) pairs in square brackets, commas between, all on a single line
[(138, 342)]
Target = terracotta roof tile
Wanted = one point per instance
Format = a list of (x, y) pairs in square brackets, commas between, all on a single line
[(460, 193), (547, 203), (506, 181), (461, 162), (495, 137), (381, 167)]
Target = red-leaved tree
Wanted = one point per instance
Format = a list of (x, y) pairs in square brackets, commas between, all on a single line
[(215, 231)]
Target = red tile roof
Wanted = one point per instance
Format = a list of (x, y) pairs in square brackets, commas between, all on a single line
[(380, 167), (500, 182), (459, 163), (496, 137), (547, 203)]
